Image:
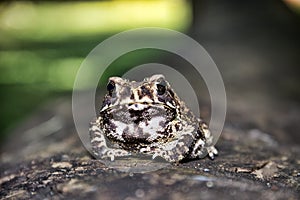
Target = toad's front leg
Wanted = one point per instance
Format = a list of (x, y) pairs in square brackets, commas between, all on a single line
[(204, 144), (194, 142), (99, 145), (177, 150)]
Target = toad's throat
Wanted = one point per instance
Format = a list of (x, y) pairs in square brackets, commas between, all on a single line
[(137, 126), (141, 133)]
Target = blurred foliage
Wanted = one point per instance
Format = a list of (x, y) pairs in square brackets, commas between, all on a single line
[(42, 44), (293, 5)]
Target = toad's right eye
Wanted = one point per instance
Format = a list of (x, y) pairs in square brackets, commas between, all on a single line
[(111, 87)]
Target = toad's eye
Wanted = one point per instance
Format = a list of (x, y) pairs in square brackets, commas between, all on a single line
[(161, 88), (111, 87)]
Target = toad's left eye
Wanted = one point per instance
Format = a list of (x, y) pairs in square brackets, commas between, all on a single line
[(161, 88), (110, 87)]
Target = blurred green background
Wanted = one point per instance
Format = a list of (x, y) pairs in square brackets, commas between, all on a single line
[(42, 44)]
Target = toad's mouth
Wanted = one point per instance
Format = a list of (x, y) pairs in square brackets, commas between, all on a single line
[(138, 106), (133, 114)]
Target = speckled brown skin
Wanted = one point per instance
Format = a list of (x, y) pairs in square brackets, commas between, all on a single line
[(148, 117)]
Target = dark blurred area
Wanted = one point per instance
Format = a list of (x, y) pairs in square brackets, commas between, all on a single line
[(259, 41), (255, 44)]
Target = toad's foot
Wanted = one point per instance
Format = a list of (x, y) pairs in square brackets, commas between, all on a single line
[(212, 151), (100, 148)]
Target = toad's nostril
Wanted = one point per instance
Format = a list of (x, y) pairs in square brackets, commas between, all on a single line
[(132, 96), (137, 106)]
